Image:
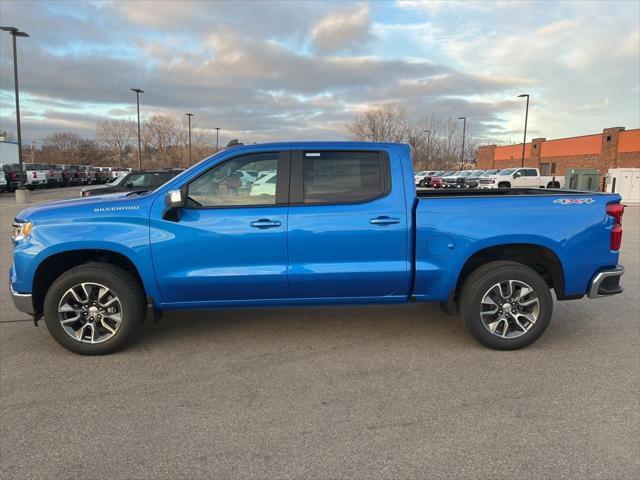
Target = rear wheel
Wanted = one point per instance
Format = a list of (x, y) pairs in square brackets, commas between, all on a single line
[(504, 185), (94, 309), (506, 305)]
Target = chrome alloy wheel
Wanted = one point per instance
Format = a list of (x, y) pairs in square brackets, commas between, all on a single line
[(509, 309), (90, 312)]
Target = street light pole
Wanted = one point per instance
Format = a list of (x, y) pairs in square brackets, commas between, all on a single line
[(217, 137), (428, 132), (14, 32), (526, 117), (138, 92), (189, 115), (464, 129)]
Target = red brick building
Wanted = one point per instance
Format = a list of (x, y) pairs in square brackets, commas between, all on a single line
[(613, 148)]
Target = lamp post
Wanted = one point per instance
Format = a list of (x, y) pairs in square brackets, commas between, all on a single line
[(189, 115), (138, 92), (217, 137), (464, 129), (15, 32), (526, 117), (428, 132)]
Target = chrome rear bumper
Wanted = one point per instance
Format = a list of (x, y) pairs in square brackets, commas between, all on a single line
[(606, 283)]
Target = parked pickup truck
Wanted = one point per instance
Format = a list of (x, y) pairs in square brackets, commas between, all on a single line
[(36, 175), (521, 177), (343, 225)]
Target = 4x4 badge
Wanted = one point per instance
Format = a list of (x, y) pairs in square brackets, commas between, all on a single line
[(576, 201)]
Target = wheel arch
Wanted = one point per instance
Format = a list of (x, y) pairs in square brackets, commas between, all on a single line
[(540, 258), (56, 264)]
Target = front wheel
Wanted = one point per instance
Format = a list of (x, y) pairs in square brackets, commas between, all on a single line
[(506, 305), (94, 309)]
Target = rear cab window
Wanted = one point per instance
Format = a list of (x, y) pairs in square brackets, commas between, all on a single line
[(330, 177)]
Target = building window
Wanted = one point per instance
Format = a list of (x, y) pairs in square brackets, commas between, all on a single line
[(608, 138)]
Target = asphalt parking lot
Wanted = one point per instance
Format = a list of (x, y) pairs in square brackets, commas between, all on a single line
[(339, 392)]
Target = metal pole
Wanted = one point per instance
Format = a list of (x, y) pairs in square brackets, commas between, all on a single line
[(189, 115), (15, 81), (139, 141), (428, 132), (464, 129), (217, 137), (138, 92), (526, 117)]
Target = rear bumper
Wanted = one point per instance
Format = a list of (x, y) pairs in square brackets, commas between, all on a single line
[(22, 301), (606, 283)]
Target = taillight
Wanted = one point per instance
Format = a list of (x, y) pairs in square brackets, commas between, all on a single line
[(616, 210)]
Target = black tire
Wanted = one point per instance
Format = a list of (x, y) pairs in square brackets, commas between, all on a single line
[(421, 183), (481, 280), (504, 185), (119, 281)]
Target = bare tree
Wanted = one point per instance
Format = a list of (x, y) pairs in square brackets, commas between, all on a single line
[(387, 123), (162, 134), (62, 147), (116, 136)]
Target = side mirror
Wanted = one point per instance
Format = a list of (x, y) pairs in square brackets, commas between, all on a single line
[(174, 200), (517, 174), (129, 184)]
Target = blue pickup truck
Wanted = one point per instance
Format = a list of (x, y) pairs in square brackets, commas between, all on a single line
[(311, 223)]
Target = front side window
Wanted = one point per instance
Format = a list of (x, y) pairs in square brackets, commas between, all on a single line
[(344, 177), (137, 180), (241, 181)]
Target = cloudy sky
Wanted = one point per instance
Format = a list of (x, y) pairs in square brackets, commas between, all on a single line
[(265, 70)]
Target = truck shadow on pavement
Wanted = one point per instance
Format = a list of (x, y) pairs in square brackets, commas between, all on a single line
[(421, 323)]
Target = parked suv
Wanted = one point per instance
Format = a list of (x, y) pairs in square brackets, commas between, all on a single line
[(143, 180)]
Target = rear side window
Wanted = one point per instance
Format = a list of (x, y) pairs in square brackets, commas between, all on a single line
[(344, 177)]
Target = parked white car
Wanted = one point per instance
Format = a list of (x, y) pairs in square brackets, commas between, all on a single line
[(3, 182), (265, 185), (521, 177)]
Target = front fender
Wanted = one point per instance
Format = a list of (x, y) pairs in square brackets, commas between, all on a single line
[(127, 238)]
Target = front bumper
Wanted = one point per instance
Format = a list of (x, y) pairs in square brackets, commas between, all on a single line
[(23, 302), (606, 283)]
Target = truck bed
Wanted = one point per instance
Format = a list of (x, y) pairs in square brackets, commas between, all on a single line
[(494, 192)]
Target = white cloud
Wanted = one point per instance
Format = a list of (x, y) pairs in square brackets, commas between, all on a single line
[(341, 31)]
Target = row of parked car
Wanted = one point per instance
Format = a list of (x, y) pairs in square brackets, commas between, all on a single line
[(505, 178), (40, 175)]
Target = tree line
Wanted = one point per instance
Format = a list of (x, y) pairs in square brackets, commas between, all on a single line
[(440, 149), (164, 141), (164, 144)]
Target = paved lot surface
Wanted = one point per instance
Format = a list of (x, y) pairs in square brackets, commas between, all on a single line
[(381, 392)]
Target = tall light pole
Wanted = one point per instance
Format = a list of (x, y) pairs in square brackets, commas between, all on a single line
[(189, 115), (14, 32), (217, 137), (526, 117), (138, 92), (464, 129), (428, 132)]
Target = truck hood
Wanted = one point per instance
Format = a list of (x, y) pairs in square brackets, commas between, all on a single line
[(120, 201)]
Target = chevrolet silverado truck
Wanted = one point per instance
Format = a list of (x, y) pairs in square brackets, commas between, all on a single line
[(521, 177), (343, 225)]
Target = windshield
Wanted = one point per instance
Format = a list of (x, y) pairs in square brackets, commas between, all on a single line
[(119, 180), (507, 171), (465, 174), (489, 173)]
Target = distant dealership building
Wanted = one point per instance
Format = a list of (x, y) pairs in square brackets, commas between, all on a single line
[(613, 148)]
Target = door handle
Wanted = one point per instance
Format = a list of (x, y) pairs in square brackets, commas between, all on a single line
[(384, 220), (265, 223)]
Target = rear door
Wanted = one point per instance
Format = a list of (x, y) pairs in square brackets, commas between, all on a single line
[(348, 225)]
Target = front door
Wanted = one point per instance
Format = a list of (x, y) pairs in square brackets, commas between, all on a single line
[(348, 226), (229, 243)]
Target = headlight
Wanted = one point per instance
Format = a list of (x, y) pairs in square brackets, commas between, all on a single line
[(21, 230)]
